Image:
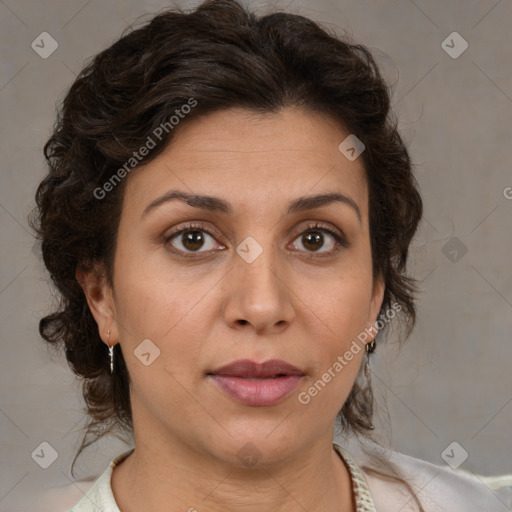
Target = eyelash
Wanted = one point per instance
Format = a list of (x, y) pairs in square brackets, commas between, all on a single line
[(341, 242)]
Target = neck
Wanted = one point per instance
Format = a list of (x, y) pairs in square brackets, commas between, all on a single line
[(175, 477)]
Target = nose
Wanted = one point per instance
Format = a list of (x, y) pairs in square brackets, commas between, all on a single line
[(258, 292)]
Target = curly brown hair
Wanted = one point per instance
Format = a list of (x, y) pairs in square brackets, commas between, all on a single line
[(223, 56)]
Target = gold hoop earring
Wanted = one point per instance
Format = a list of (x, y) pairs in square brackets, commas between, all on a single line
[(370, 346), (111, 353)]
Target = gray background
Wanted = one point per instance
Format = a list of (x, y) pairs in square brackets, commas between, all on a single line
[(452, 379)]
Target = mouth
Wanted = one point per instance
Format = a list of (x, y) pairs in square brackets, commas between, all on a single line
[(245, 368), (257, 384)]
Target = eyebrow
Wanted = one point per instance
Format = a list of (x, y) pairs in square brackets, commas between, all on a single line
[(215, 204)]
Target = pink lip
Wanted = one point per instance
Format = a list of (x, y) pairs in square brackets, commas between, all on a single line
[(257, 384), (248, 368), (257, 392)]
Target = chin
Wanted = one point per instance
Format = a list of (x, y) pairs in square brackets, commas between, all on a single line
[(254, 445)]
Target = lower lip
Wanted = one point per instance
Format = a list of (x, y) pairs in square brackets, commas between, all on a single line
[(259, 392)]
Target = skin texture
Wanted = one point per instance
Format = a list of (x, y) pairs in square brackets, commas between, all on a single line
[(213, 308)]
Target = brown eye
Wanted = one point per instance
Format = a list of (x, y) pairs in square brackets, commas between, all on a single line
[(190, 240), (313, 240)]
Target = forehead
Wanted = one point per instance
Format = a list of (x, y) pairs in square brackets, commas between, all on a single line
[(246, 157)]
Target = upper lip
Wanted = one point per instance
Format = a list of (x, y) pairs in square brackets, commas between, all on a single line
[(248, 368)]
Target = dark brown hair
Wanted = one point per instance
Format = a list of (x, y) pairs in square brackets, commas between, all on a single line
[(221, 56)]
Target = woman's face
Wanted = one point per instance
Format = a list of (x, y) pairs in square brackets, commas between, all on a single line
[(256, 275)]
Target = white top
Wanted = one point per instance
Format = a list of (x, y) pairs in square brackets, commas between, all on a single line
[(438, 488)]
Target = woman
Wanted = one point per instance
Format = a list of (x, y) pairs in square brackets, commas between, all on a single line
[(227, 218)]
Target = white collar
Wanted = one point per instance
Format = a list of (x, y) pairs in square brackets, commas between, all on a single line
[(101, 497)]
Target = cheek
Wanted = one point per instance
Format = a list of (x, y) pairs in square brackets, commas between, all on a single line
[(340, 311), (342, 306), (149, 302), (147, 311), (329, 386), (151, 306)]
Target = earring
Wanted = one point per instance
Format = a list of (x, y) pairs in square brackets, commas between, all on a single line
[(111, 352), (370, 347)]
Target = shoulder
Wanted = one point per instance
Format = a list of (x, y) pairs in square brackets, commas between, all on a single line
[(62, 498), (84, 496), (438, 488)]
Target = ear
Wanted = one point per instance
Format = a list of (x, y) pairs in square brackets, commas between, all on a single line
[(101, 303), (377, 298)]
